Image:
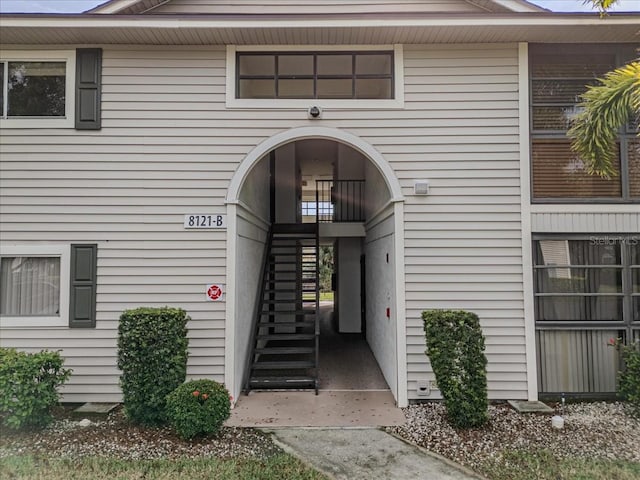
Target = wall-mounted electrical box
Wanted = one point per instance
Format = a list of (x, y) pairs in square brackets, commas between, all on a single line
[(421, 187)]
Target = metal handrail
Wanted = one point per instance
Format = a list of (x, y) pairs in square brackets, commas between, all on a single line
[(340, 201), (256, 311)]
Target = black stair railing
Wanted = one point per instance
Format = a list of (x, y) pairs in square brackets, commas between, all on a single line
[(256, 311), (340, 201), (284, 344)]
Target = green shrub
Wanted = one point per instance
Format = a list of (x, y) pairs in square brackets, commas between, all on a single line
[(629, 376), (152, 354), (198, 407), (455, 347), (28, 386)]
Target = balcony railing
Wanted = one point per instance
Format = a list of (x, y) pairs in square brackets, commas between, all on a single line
[(340, 201)]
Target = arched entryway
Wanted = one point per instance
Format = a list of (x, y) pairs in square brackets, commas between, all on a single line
[(270, 187)]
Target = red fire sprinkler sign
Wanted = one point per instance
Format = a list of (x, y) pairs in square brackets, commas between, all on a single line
[(215, 292)]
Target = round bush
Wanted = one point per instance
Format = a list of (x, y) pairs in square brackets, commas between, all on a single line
[(198, 407)]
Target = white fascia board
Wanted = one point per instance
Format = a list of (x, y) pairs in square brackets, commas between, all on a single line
[(126, 21), (113, 6), (520, 6)]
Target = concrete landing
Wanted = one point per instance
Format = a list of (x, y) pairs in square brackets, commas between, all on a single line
[(522, 406), (96, 408), (365, 454), (327, 409)]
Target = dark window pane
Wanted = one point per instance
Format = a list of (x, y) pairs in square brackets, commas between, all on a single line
[(578, 280), (335, 88), (557, 91), (577, 308), (636, 309), (560, 173), (295, 88), (572, 65), (1, 89), (634, 248), (256, 65), (373, 64), (634, 168), (36, 89), (604, 250), (339, 64), (553, 118), (635, 275), (295, 65), (377, 88), (251, 88)]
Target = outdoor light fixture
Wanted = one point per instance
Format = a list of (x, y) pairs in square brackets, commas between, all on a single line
[(314, 112)]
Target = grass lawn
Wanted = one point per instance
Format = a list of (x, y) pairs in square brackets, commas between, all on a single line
[(278, 467), (326, 296), (542, 465)]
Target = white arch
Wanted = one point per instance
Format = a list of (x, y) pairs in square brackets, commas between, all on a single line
[(232, 376), (302, 133)]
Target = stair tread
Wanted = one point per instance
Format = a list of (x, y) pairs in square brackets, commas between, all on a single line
[(287, 336), (284, 350), (286, 324), (305, 311), (283, 379), (283, 365)]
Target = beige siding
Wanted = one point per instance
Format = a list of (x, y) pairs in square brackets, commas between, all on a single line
[(463, 241), (169, 146), (314, 6), (585, 222), (127, 188)]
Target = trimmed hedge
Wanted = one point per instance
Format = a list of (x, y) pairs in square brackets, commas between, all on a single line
[(455, 346), (629, 377), (198, 407), (28, 386), (152, 354)]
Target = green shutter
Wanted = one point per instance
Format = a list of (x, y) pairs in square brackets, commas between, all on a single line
[(82, 308), (88, 88)]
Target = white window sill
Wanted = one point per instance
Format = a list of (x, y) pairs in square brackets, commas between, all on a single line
[(37, 122)]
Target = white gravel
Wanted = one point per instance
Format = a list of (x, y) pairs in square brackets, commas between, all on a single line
[(594, 430)]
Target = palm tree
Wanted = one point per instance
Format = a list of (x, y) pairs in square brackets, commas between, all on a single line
[(606, 107)]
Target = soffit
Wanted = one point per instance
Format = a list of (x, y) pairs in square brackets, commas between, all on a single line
[(245, 30)]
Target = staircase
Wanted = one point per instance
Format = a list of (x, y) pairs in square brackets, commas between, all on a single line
[(286, 331)]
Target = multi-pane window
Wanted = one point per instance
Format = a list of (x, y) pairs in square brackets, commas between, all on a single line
[(559, 75), (33, 89), (315, 75), (30, 286), (586, 292)]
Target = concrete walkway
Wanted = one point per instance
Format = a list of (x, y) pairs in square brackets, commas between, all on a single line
[(365, 454)]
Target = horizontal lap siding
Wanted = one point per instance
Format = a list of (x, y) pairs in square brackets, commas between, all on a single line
[(585, 222), (463, 241), (169, 147), (127, 188)]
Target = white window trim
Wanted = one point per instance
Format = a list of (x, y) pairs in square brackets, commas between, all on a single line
[(64, 253), (336, 104), (68, 56)]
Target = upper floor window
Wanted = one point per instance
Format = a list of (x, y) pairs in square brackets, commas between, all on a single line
[(37, 88), (317, 75), (559, 75)]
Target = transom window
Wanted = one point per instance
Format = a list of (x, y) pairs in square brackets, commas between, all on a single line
[(559, 75), (315, 75)]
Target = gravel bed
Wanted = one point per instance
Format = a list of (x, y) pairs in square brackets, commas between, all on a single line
[(593, 430), (115, 437)]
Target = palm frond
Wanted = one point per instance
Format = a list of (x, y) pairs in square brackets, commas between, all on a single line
[(607, 106)]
